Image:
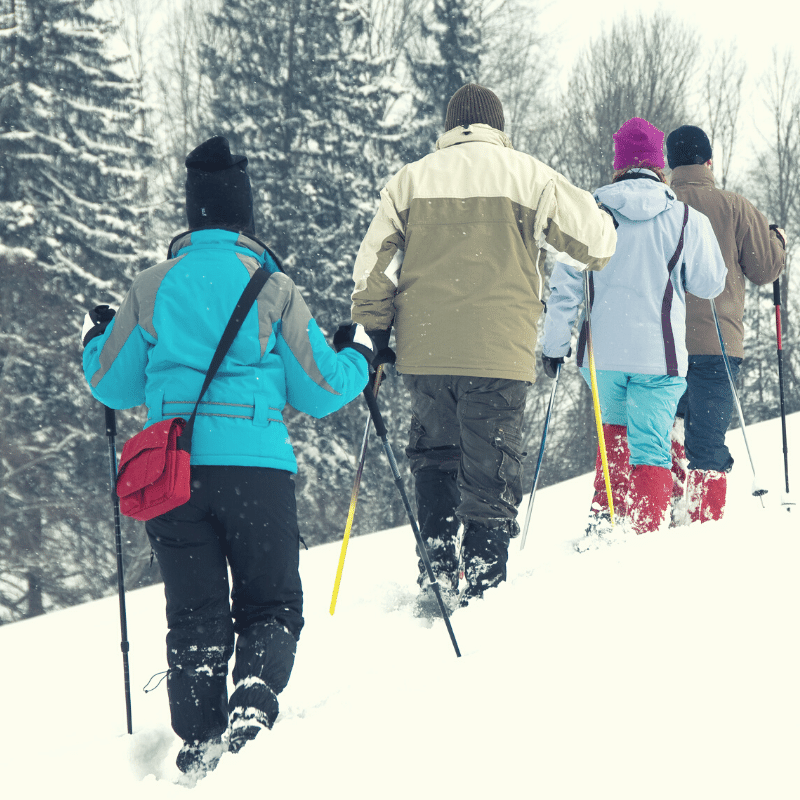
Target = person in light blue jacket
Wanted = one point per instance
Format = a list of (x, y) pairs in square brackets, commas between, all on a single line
[(638, 324), (156, 350)]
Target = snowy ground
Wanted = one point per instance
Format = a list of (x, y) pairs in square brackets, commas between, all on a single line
[(664, 666)]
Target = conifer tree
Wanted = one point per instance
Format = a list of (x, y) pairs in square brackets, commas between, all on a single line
[(447, 57), (70, 237), (296, 91)]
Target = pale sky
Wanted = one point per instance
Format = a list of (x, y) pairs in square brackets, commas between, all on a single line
[(756, 28)]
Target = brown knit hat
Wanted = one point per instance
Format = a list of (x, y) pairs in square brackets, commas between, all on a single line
[(471, 104)]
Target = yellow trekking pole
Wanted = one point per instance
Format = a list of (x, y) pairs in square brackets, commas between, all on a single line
[(595, 395), (354, 494)]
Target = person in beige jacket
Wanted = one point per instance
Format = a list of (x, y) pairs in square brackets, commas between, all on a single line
[(453, 262), (753, 250)]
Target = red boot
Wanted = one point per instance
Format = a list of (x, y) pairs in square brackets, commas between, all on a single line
[(649, 497), (706, 491), (619, 472), (680, 471)]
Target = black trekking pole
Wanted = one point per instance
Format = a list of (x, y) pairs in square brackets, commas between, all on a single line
[(111, 432), (541, 455), (757, 490), (776, 294), (380, 429)]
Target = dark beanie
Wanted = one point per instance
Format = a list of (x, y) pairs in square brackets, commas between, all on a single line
[(687, 145), (218, 193), (472, 104)]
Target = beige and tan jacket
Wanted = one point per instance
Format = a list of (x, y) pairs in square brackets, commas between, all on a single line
[(750, 249), (453, 258)]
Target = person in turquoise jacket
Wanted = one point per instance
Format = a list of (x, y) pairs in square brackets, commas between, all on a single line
[(156, 350), (638, 316)]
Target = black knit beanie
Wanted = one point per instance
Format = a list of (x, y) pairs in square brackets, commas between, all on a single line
[(687, 145), (218, 193), (472, 104)]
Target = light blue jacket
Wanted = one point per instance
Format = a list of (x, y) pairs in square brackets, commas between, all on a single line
[(638, 300), (160, 344)]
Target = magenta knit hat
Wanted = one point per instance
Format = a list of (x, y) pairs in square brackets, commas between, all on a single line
[(638, 142)]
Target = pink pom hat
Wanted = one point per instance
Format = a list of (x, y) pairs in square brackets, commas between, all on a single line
[(638, 142)]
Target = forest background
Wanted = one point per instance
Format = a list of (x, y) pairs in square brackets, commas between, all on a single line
[(101, 102)]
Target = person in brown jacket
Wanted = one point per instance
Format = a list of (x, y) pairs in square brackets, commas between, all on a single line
[(453, 262), (753, 250)]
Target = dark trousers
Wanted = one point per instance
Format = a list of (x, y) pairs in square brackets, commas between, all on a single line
[(465, 454), (244, 518), (707, 408)]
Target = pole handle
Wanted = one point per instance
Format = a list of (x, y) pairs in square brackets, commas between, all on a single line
[(374, 412)]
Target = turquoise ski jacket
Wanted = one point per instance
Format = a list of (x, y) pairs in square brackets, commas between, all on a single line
[(159, 346)]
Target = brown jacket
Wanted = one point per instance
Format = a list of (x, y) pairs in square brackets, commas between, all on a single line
[(750, 250), (453, 257)]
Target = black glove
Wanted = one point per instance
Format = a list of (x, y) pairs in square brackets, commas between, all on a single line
[(95, 322), (384, 353), (551, 364), (351, 334), (779, 233)]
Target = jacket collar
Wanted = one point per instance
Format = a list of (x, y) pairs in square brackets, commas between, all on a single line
[(473, 133), (697, 174)]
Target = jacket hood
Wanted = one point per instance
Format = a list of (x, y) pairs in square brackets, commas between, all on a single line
[(214, 237), (473, 133), (698, 174), (638, 198)]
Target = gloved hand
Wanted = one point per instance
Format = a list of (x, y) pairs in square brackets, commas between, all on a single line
[(384, 353), (780, 233), (351, 334), (95, 322), (551, 364)]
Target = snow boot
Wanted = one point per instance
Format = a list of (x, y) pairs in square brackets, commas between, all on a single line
[(197, 759), (485, 555), (426, 604), (706, 492), (264, 660), (619, 473), (649, 497), (680, 471)]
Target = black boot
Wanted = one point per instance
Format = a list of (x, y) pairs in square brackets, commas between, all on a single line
[(264, 660), (197, 759), (485, 555)]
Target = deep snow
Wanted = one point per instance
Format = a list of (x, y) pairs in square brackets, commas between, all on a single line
[(662, 666)]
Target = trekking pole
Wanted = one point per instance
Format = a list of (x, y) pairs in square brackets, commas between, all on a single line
[(601, 439), (111, 432), (380, 429), (776, 294), (354, 495), (757, 490), (541, 454)]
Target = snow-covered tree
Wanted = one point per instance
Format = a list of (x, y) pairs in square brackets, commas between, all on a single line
[(70, 159), (295, 89), (445, 57)]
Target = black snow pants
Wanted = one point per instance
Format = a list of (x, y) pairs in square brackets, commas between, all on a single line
[(245, 518)]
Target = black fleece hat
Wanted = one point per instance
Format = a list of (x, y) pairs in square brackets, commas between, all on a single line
[(687, 145), (473, 104), (218, 193)]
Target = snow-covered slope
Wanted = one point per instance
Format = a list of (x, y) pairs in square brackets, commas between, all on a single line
[(663, 666)]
